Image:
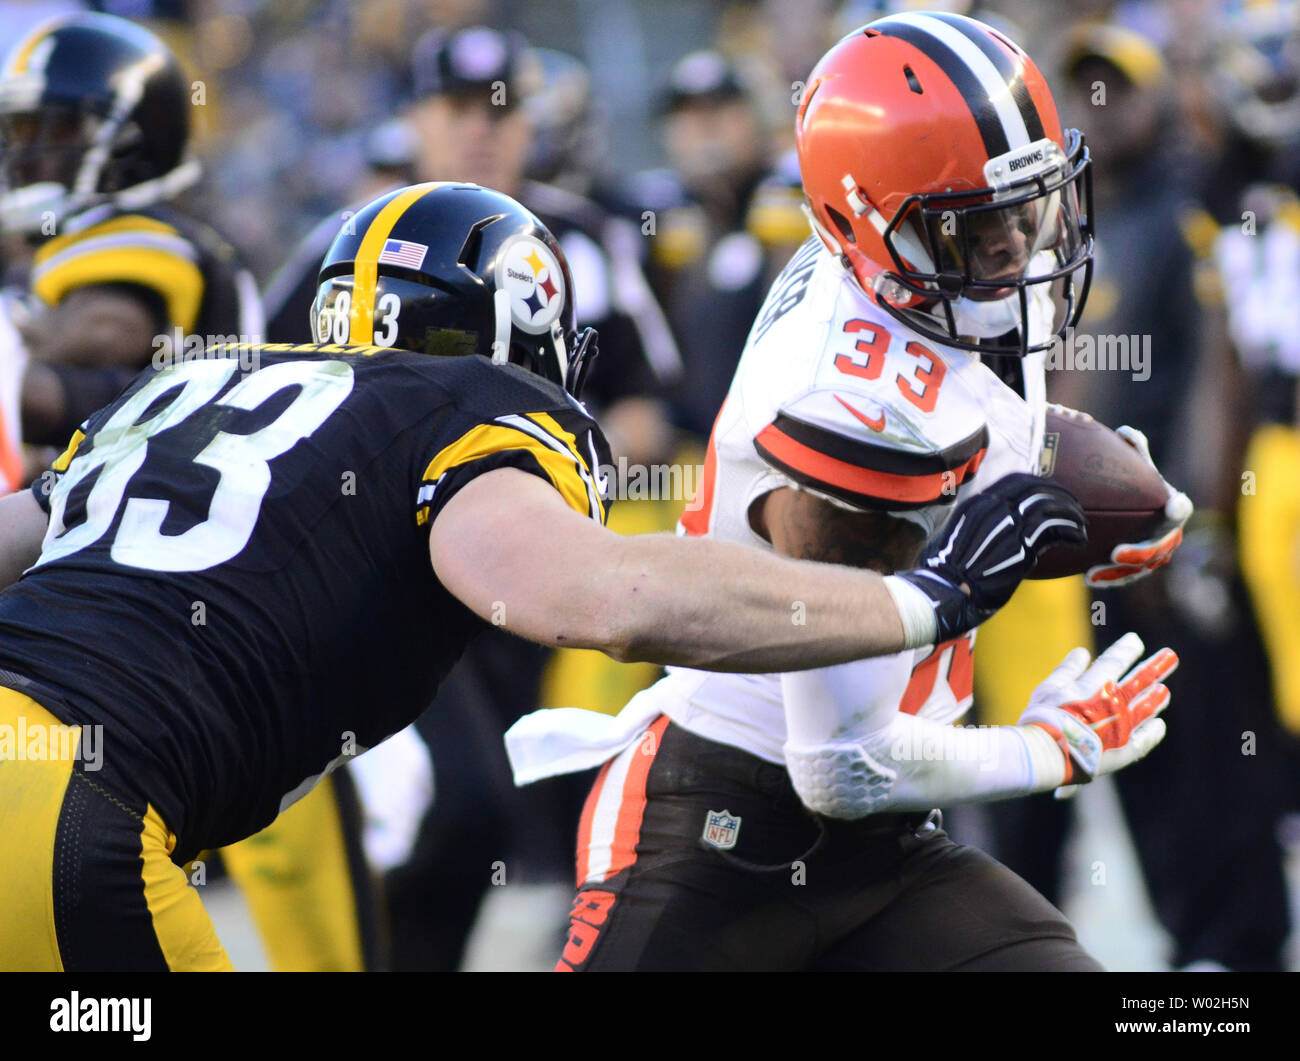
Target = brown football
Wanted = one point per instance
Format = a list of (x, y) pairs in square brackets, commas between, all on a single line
[(1121, 494)]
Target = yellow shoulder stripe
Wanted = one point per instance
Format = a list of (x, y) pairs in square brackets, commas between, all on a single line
[(176, 278), (552, 426), (486, 439), (65, 458), (125, 225)]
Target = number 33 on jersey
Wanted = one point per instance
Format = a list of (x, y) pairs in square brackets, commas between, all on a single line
[(836, 397)]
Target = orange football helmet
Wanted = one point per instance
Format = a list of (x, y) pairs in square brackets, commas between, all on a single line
[(934, 166)]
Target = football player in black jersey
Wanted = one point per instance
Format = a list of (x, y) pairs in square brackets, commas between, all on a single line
[(249, 568), (95, 114), (94, 137)]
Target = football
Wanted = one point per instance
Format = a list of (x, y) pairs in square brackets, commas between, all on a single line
[(1121, 494)]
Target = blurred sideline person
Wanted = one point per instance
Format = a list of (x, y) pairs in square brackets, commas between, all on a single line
[(96, 132), (710, 269), (449, 395), (115, 271), (1209, 854), (472, 116), (1257, 250), (788, 821), (471, 121)]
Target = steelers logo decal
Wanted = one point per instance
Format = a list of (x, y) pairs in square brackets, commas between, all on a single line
[(531, 274)]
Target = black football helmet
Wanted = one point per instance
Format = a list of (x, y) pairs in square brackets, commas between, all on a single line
[(453, 269), (93, 108)]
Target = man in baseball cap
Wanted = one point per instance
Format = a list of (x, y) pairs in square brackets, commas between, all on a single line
[(469, 86)]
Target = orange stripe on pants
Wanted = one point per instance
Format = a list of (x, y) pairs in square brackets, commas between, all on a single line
[(628, 811), (627, 833)]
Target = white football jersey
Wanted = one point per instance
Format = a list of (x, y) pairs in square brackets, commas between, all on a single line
[(834, 396)]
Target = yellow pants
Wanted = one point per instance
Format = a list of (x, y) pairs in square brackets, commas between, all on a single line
[(86, 878), (303, 886), (1269, 542)]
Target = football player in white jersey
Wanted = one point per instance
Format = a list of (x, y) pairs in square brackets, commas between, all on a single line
[(951, 221)]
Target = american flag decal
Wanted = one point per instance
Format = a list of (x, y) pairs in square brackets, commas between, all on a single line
[(403, 252)]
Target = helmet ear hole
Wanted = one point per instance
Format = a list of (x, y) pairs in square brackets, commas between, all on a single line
[(842, 223)]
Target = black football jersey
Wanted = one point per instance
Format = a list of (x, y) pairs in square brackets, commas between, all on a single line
[(236, 581)]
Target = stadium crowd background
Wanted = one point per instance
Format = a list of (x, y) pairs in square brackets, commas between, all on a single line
[(296, 89), (1198, 129)]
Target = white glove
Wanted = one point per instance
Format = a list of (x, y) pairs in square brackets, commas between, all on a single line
[(395, 786), (1100, 723)]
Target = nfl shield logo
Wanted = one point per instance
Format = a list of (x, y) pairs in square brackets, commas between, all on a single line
[(721, 828)]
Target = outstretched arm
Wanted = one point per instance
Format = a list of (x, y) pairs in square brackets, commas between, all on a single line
[(509, 548), (546, 573)]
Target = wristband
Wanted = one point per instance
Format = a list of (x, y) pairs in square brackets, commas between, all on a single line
[(915, 611)]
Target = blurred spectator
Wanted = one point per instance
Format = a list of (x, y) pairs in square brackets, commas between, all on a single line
[(712, 271), (1257, 252), (1251, 76), (472, 123), (1208, 851)]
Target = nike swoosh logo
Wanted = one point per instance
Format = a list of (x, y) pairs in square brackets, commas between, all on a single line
[(602, 479), (877, 424)]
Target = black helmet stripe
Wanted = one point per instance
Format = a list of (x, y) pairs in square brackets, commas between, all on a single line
[(974, 75), (1005, 67), (986, 117)]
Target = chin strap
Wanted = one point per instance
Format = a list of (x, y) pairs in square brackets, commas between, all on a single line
[(584, 356)]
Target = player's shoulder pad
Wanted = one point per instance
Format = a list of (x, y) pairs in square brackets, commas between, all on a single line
[(775, 215), (106, 229), (877, 428), (111, 247)]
